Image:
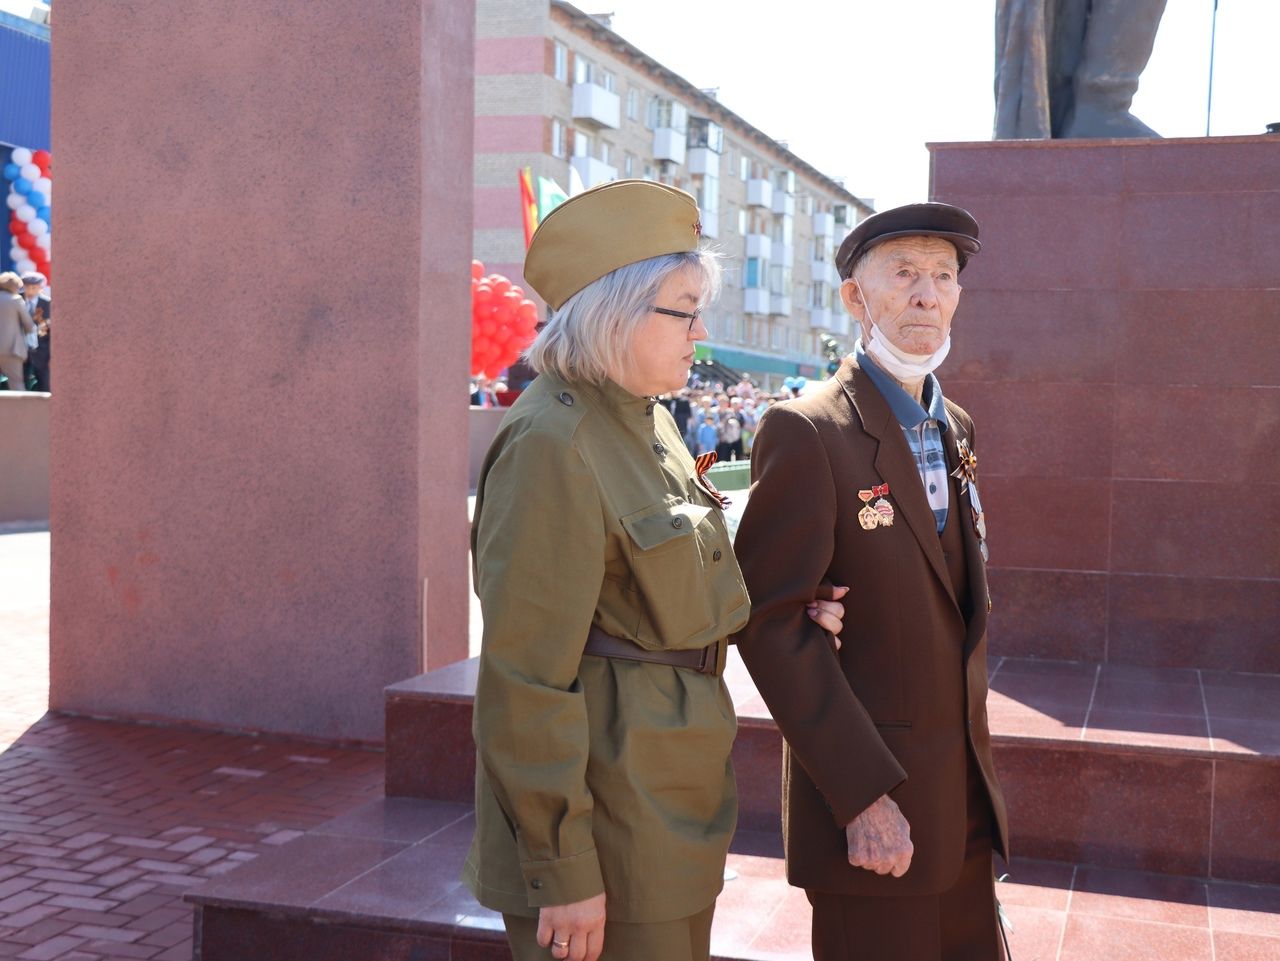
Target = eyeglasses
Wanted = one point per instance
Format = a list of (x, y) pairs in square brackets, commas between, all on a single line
[(691, 318)]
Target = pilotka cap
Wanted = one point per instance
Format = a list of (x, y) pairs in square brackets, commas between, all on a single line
[(604, 228), (913, 220)]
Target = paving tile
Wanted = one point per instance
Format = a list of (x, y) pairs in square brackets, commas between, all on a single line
[(1245, 908), (1229, 946), (1172, 732), (1036, 884), (396, 819), (1090, 938), (51, 949), (1036, 933), (1139, 897)]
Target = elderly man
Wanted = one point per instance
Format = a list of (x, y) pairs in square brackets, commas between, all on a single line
[(40, 307), (892, 808)]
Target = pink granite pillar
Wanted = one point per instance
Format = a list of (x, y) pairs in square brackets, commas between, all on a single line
[(259, 454)]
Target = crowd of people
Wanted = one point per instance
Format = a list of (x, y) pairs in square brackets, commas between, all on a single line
[(713, 417), (26, 309)]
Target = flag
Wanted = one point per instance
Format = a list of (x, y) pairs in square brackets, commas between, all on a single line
[(576, 186), (550, 196), (528, 205)]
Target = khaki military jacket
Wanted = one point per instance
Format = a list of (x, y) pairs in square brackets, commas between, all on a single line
[(902, 708), (596, 774)]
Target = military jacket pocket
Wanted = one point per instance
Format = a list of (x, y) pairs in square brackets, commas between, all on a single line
[(668, 570)]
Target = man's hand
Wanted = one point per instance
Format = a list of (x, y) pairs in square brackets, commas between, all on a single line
[(574, 931), (879, 839), (829, 614)]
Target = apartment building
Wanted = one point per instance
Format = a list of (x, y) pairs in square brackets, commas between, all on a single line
[(558, 91)]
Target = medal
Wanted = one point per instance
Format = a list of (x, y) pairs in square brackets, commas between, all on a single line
[(879, 514), (967, 472)]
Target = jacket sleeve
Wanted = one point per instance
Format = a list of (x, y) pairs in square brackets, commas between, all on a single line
[(24, 316), (785, 544), (539, 567)]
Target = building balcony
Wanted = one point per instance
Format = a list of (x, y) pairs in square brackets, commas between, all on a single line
[(784, 254), (759, 245), (593, 172), (784, 203), (710, 224), (594, 105), (703, 160), (755, 300), (668, 144), (760, 194), (841, 325), (824, 225), (819, 318), (780, 304)]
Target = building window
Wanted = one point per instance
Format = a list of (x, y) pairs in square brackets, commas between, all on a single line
[(604, 152), (757, 273), (708, 194), (561, 62), (633, 103), (744, 168), (784, 181), (742, 220), (649, 172), (841, 212), (582, 69), (557, 139), (775, 336), (819, 296), (581, 144), (706, 133), (667, 113), (629, 165)]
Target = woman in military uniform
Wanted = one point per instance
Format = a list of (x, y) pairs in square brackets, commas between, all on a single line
[(605, 799)]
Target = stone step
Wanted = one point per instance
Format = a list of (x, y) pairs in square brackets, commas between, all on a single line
[(382, 881), (1164, 770)]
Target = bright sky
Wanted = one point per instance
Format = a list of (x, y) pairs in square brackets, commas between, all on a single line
[(857, 87)]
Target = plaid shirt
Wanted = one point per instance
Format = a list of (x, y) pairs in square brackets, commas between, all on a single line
[(922, 427)]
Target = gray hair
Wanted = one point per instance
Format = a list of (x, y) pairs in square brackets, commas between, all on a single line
[(592, 331)]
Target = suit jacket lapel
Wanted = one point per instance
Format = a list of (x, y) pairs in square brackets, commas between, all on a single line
[(978, 597), (896, 466)]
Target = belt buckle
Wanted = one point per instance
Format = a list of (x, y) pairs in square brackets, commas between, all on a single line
[(712, 659)]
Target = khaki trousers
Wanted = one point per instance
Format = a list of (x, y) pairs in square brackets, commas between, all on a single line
[(11, 367), (960, 924), (686, 939)]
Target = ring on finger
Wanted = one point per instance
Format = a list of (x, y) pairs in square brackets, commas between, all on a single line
[(559, 944)]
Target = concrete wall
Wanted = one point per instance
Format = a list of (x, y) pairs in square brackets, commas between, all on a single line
[(1117, 344), (259, 466), (24, 457)]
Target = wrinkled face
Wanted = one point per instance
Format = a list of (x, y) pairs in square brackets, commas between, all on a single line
[(911, 286), (662, 349)]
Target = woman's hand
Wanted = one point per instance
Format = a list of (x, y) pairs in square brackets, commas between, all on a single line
[(574, 931), (829, 615)]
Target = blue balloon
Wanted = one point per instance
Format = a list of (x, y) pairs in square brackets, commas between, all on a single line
[(36, 198), (43, 214), (23, 185), (12, 171)]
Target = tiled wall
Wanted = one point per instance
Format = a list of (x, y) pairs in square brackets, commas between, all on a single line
[(1118, 344)]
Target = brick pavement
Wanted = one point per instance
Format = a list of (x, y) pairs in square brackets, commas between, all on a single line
[(105, 825)]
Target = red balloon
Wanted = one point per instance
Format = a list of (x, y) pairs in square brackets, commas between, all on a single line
[(518, 291), (503, 334), (528, 309), (501, 285), (27, 241), (483, 294), (488, 328), (42, 159), (477, 270)]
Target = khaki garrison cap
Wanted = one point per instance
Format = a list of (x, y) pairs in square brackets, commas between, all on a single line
[(604, 228)]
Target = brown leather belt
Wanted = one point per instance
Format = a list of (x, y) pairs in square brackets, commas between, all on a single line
[(704, 660)]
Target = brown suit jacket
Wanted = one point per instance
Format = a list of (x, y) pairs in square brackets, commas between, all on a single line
[(898, 709)]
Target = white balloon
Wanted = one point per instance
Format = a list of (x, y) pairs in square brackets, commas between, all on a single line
[(45, 241), (26, 265), (16, 253), (21, 156), (26, 213), (38, 227), (31, 172), (44, 185), (15, 200)]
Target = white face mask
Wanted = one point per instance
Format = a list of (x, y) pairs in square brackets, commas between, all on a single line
[(897, 362)]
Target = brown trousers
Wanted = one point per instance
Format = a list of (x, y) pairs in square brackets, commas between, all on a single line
[(11, 367), (686, 939), (960, 924)]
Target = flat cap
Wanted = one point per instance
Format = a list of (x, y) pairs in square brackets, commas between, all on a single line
[(913, 220), (604, 228)]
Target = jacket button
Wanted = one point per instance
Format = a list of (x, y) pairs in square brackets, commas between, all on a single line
[(536, 884), (659, 450), (716, 555), (677, 522), (565, 398)]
